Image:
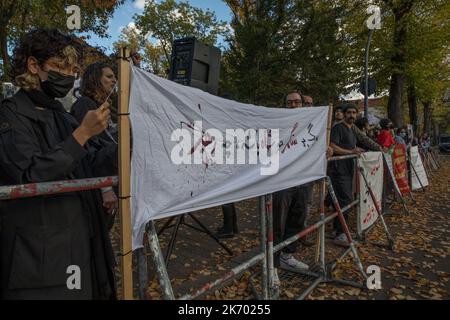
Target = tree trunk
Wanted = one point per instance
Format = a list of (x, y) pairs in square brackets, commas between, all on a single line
[(435, 126), (412, 105), (427, 117), (395, 104), (4, 53), (400, 9)]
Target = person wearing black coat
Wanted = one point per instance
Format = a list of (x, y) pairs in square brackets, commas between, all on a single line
[(44, 238), (97, 87)]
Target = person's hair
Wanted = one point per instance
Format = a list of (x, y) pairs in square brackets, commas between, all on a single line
[(42, 44), (399, 130), (306, 96), (348, 106), (91, 85), (361, 122), (384, 123)]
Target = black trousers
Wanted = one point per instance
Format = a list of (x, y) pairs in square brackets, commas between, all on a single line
[(343, 188), (229, 217), (290, 210)]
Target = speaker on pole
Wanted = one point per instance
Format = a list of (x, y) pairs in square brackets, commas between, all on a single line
[(195, 64)]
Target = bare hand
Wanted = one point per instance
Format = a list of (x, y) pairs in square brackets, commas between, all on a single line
[(330, 152), (358, 151), (94, 122), (110, 201)]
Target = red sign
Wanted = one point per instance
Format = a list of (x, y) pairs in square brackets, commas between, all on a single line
[(400, 168)]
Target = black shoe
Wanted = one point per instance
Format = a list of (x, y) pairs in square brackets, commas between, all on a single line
[(224, 233)]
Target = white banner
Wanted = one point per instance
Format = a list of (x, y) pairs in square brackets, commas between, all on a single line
[(416, 161), (193, 150), (372, 165), (388, 158)]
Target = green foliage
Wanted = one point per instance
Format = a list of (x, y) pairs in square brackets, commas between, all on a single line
[(168, 20), (318, 46), (254, 67), (153, 32), (19, 16), (413, 42), (282, 45)]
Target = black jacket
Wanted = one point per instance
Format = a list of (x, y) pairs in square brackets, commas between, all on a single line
[(41, 237)]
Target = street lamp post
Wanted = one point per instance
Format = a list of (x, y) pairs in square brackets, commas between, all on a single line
[(366, 76), (373, 22)]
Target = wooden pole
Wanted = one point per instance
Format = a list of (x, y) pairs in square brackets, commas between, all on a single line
[(124, 175), (320, 240)]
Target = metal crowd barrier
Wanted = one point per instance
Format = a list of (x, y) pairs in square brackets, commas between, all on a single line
[(56, 187), (267, 248)]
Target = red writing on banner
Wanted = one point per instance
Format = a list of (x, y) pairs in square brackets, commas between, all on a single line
[(400, 168)]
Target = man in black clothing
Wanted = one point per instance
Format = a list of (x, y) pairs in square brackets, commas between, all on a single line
[(44, 237), (338, 115), (290, 209), (343, 142)]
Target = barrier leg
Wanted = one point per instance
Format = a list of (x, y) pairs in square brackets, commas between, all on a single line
[(319, 234), (263, 274), (273, 289), (325, 276), (159, 263), (171, 244), (211, 235), (345, 228), (380, 214), (357, 186), (166, 226), (142, 271), (263, 232), (322, 228), (433, 161), (426, 165)]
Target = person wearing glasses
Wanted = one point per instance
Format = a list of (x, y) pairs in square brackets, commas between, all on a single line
[(46, 239), (290, 208)]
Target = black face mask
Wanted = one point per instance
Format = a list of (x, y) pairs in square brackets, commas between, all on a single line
[(57, 85)]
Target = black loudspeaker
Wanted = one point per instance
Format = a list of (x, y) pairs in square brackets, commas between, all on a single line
[(195, 64)]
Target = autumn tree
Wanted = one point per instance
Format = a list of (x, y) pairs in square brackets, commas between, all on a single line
[(281, 45), (427, 64), (152, 54), (254, 67), (168, 20), (407, 54), (19, 16)]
